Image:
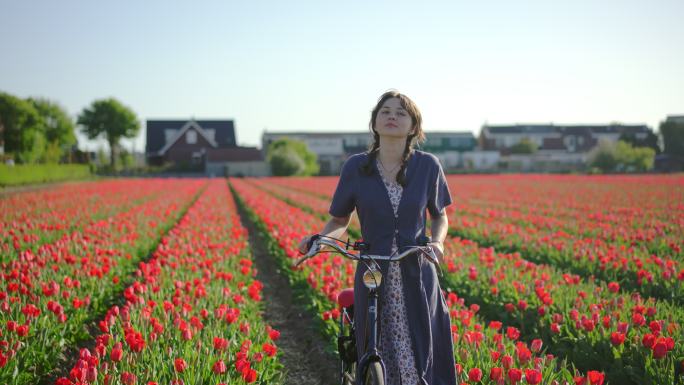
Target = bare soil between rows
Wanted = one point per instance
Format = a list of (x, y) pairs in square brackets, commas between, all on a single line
[(302, 347)]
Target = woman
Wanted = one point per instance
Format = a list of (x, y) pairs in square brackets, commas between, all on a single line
[(391, 186)]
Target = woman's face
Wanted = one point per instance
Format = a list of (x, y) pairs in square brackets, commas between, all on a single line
[(393, 120)]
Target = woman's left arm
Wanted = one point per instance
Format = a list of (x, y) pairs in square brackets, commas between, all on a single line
[(438, 228)]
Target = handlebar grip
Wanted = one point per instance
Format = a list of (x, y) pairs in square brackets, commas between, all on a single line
[(308, 254), (311, 241)]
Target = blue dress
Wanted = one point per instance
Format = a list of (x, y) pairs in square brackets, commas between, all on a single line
[(427, 314)]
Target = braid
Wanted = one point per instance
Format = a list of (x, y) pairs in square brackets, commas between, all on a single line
[(401, 174), (368, 167)]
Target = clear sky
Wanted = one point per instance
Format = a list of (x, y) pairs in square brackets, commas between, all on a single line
[(318, 65)]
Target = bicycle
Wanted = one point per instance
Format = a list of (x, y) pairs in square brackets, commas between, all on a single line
[(371, 366)]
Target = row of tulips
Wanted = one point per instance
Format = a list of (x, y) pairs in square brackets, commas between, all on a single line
[(48, 297), (485, 353), (612, 198), (193, 314), (645, 211), (615, 228), (593, 324), (624, 255), (31, 219), (307, 202), (635, 269)]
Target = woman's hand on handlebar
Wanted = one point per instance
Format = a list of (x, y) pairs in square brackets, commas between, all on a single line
[(438, 248), (304, 244)]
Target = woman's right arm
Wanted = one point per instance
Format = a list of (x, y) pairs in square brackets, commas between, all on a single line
[(335, 228)]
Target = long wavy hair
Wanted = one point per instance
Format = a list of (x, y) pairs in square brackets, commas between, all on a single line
[(416, 135)]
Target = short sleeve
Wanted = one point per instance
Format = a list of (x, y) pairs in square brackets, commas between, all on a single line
[(439, 195), (343, 202)]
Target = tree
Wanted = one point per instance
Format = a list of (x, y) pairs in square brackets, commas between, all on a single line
[(291, 157), (111, 119), (524, 146), (621, 156), (673, 137), (56, 124), (22, 135), (650, 141), (603, 157)]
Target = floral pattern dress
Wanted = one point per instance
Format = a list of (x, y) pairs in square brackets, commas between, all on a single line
[(395, 340)]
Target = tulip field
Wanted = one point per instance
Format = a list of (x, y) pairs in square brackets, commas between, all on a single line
[(550, 279)]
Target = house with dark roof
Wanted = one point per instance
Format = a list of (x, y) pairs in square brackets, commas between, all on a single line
[(556, 138), (559, 147), (201, 145)]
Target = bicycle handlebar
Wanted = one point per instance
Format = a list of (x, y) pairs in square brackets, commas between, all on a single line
[(316, 244)]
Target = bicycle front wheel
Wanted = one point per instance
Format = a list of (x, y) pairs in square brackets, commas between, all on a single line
[(374, 375)]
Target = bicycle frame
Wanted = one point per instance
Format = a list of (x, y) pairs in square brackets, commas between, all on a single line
[(371, 353)]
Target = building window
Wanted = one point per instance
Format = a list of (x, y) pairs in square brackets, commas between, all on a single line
[(191, 137), (570, 142), (196, 158)]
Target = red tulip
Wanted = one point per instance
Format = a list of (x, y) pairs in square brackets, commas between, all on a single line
[(269, 349), (595, 378), (273, 334), (475, 374), (515, 375), (180, 365), (536, 345), (507, 361), (117, 352), (533, 376), (220, 343), (512, 333), (91, 374), (614, 287), (219, 367), (638, 319), (617, 338), (128, 378), (659, 349), (655, 327), (524, 354), (250, 376), (648, 340), (23, 330), (496, 374)]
